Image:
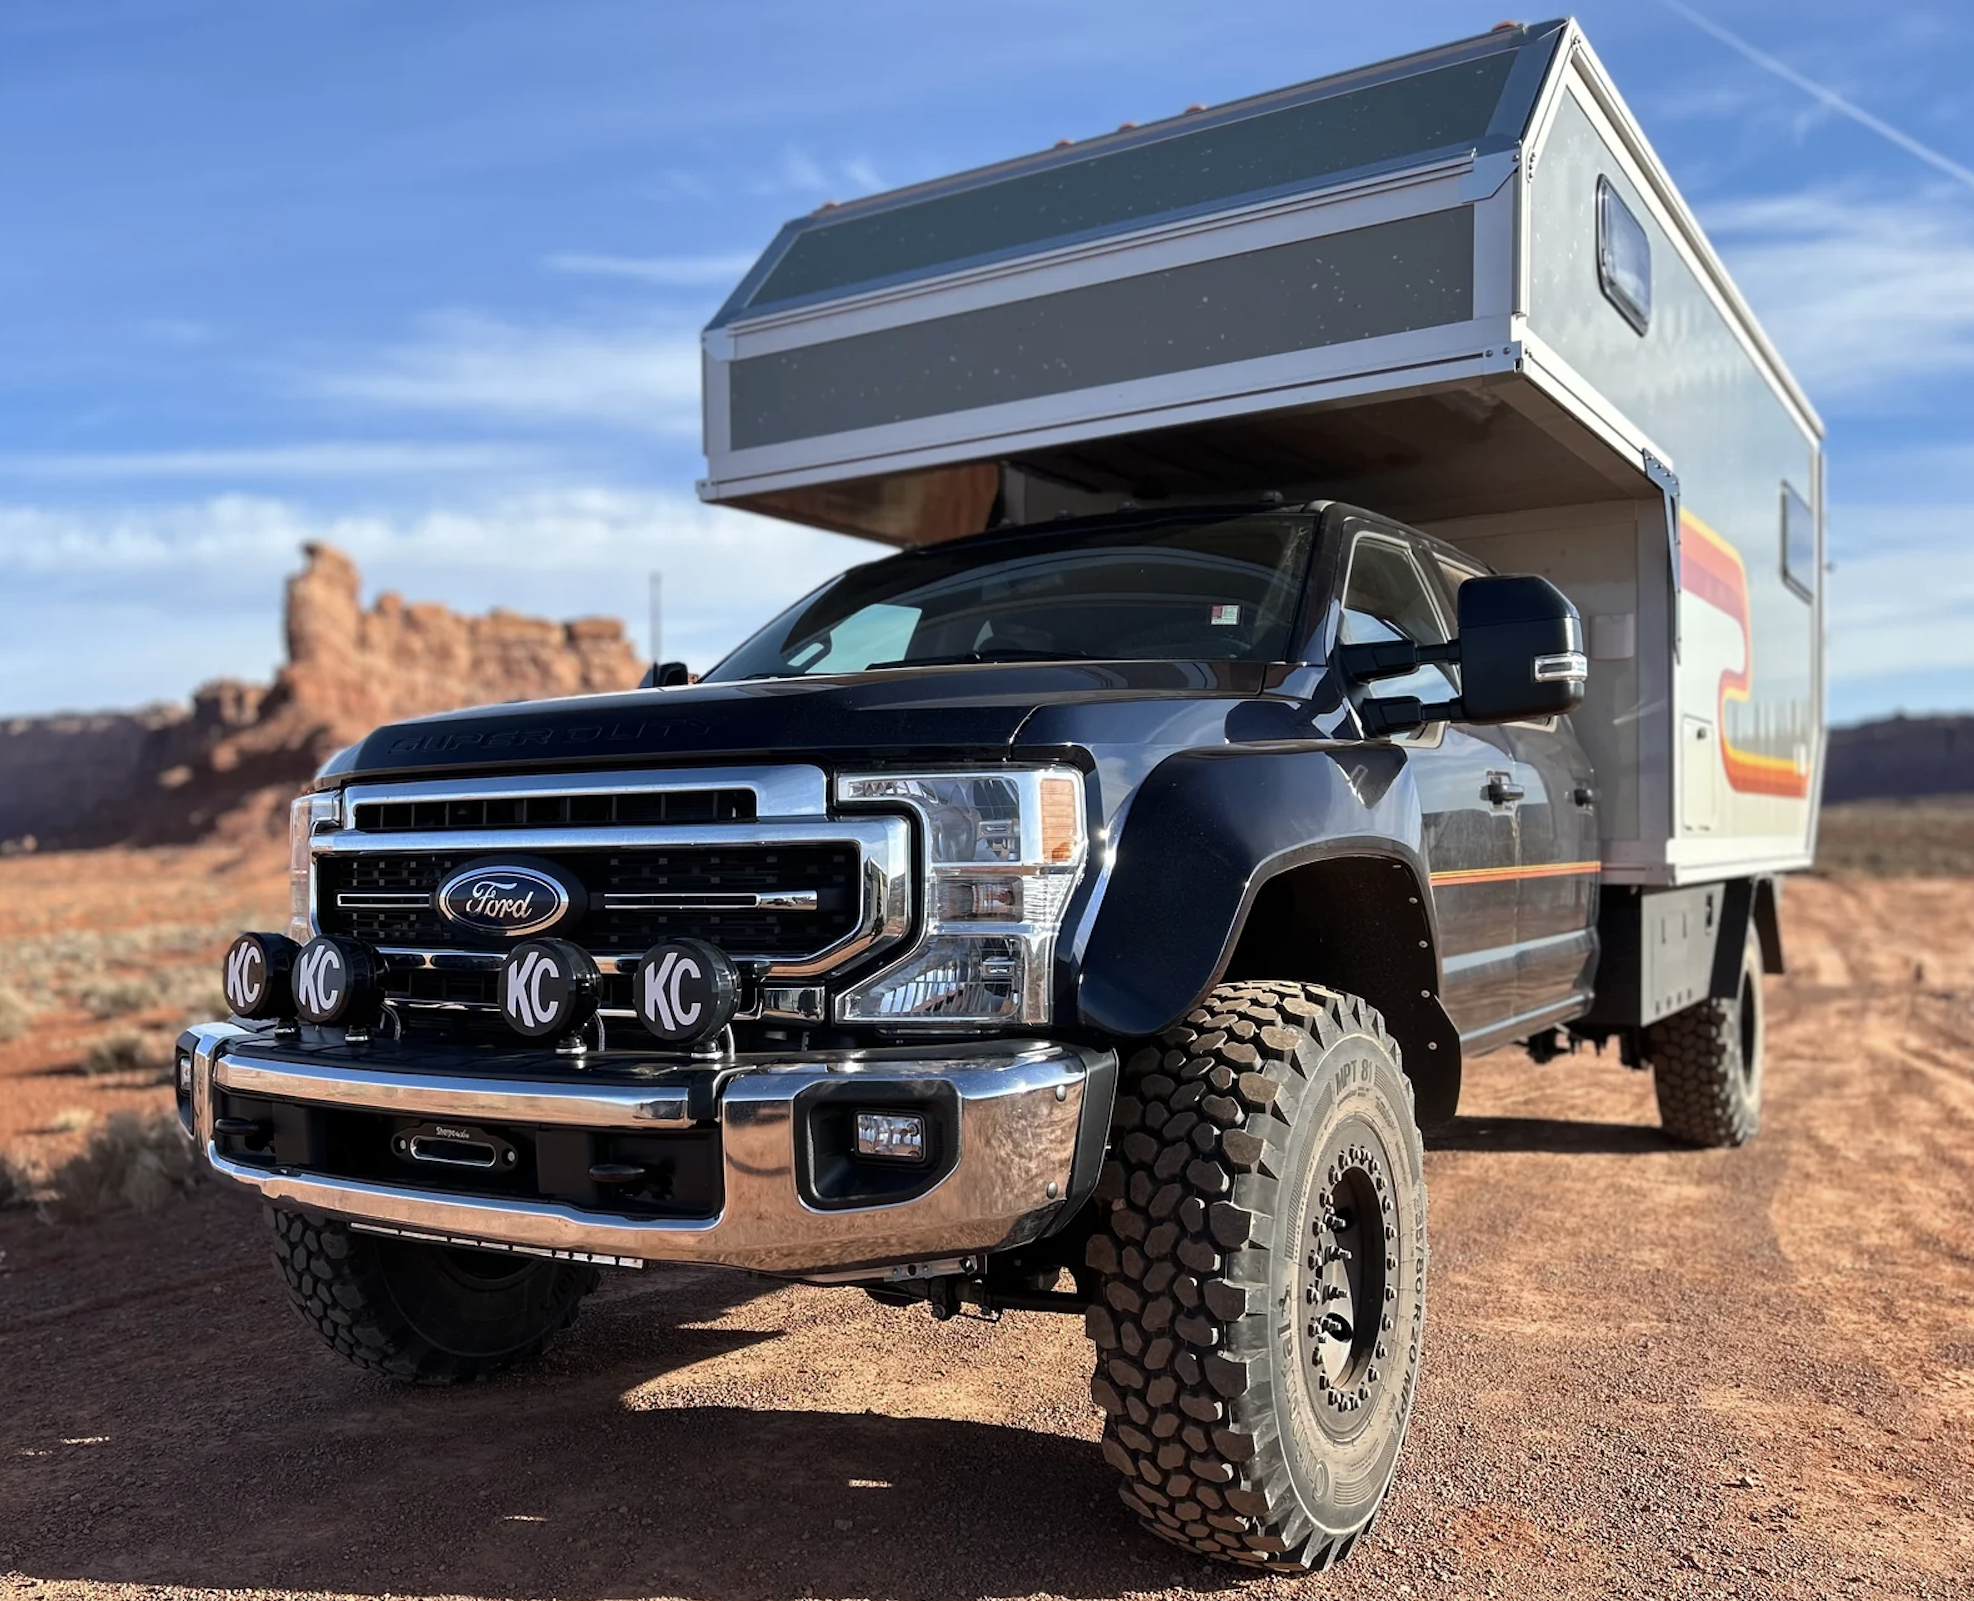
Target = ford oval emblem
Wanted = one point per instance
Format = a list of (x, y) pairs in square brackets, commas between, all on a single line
[(505, 898)]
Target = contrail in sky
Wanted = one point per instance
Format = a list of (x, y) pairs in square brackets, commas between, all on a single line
[(1829, 97)]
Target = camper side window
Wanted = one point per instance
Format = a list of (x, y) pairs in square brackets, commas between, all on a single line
[(1798, 543), (1624, 258)]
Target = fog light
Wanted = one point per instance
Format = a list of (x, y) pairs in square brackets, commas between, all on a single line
[(184, 1074), (893, 1136)]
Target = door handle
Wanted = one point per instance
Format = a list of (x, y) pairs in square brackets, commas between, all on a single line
[(1501, 790)]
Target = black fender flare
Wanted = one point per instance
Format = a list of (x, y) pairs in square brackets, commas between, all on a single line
[(1208, 831), (1745, 901)]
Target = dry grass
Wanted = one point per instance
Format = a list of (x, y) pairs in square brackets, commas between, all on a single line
[(15, 1014), (73, 964), (18, 1181), (119, 997), (131, 1162), (128, 1051), (194, 992), (71, 1120), (1931, 838)]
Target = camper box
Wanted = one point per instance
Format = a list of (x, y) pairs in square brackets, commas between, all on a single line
[(1458, 289)]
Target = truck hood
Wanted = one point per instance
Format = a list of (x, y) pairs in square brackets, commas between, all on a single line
[(974, 709)]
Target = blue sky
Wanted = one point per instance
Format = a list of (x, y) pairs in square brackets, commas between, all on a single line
[(424, 278)]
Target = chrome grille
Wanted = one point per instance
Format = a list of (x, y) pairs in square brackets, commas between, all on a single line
[(775, 901), (747, 857)]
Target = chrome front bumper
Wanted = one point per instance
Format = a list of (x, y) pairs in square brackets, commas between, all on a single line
[(1031, 1123)]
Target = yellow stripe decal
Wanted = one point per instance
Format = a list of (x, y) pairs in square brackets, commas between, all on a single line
[(1492, 875)]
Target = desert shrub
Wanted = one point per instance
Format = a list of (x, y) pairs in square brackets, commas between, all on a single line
[(127, 1051), (132, 1161), (119, 997), (71, 1120), (72, 961), (17, 1181), (15, 1014), (194, 991)]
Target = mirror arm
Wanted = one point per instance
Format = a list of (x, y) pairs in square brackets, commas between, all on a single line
[(1400, 714), (1392, 658)]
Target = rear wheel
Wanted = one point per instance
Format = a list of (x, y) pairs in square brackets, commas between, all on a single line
[(1707, 1063), (429, 1314), (1262, 1260)]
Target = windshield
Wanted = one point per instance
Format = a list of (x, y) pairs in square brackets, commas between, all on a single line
[(1211, 589)]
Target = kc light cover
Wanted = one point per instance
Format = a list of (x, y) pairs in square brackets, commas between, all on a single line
[(1004, 849)]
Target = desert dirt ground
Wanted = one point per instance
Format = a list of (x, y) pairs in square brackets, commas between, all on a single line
[(1650, 1371)]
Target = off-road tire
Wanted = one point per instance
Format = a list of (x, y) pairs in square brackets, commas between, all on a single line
[(1707, 1063), (427, 1314), (1273, 1113)]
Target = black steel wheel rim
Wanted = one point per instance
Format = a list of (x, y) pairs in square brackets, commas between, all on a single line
[(1749, 1022), (482, 1270), (1346, 1280)]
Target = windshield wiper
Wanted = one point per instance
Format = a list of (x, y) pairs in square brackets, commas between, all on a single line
[(993, 653)]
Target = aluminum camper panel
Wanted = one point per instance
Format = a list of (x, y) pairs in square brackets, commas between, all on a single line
[(1609, 557), (1388, 278), (1358, 291), (1745, 718), (1463, 98)]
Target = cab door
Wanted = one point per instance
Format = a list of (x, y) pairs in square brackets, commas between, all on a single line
[(1557, 821), (1550, 785), (1463, 774)]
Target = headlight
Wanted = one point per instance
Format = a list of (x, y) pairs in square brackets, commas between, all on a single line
[(1003, 851), (308, 816)]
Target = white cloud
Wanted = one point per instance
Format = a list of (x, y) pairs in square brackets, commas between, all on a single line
[(642, 377), (799, 173), (1862, 294), (1902, 592), (1826, 98), (195, 588), (669, 272), (317, 459)]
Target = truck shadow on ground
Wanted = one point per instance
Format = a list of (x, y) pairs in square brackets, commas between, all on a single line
[(1562, 1136), (619, 1468)]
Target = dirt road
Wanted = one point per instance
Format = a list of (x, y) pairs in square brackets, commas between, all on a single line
[(1650, 1371)]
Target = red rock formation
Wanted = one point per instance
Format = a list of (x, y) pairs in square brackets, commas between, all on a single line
[(227, 762)]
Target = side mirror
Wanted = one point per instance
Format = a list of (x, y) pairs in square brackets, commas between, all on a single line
[(663, 675), (1519, 651)]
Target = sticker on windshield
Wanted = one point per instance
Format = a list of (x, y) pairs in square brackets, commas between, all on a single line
[(1223, 616)]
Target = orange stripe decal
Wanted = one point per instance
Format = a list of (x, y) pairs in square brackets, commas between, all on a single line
[(1711, 570), (1495, 875)]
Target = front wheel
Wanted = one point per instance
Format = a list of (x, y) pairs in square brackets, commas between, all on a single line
[(1262, 1259), (428, 1314)]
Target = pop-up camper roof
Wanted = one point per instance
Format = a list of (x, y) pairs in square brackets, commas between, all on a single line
[(1402, 285)]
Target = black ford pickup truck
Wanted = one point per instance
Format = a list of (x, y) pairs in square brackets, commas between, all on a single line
[(1079, 917)]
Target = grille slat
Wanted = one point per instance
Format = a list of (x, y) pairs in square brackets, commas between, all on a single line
[(556, 811), (829, 870)]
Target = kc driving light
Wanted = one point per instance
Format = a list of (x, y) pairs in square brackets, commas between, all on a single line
[(1003, 851), (894, 1136)]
